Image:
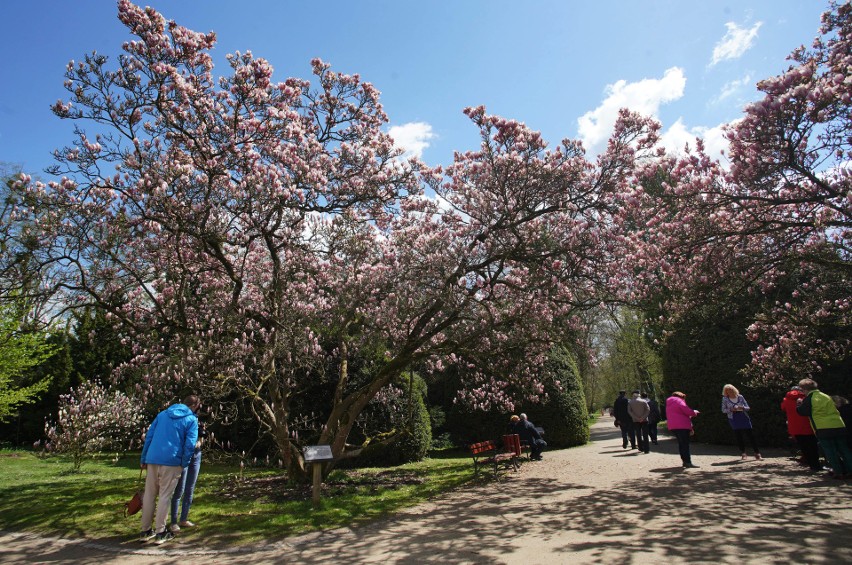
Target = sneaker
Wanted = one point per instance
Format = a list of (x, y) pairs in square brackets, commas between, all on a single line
[(146, 535), (744, 457), (187, 524), (690, 466), (758, 456), (163, 537), (174, 528)]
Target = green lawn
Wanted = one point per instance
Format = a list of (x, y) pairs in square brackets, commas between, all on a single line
[(42, 495)]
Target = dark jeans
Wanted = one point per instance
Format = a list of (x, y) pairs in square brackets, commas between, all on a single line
[(627, 431), (641, 431), (536, 447), (683, 445), (741, 435), (810, 451), (186, 488)]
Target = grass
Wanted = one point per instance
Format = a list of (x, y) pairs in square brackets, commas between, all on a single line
[(43, 495)]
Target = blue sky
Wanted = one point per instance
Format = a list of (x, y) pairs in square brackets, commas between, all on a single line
[(562, 67)]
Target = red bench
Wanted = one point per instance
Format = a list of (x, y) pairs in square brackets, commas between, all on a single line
[(489, 453)]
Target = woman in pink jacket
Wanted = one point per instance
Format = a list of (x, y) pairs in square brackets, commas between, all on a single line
[(679, 417)]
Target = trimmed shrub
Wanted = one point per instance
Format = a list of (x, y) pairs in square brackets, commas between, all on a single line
[(564, 415), (401, 411), (699, 358)]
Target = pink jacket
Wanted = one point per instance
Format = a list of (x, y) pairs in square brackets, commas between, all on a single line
[(678, 414)]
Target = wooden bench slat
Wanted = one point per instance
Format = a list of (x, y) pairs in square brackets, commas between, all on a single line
[(486, 453)]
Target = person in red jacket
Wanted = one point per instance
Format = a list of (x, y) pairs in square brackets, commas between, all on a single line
[(799, 427)]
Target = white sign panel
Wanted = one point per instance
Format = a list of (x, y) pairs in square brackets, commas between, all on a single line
[(314, 453)]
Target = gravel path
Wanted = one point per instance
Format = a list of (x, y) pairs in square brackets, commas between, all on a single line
[(593, 504)]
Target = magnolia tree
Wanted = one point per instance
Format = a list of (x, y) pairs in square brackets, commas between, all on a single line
[(91, 419), (777, 223), (254, 237)]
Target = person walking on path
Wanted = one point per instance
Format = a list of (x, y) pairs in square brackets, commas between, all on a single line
[(639, 412), (185, 489), (799, 428), (735, 407), (169, 445), (679, 417), (828, 427), (625, 422), (653, 418), (527, 432)]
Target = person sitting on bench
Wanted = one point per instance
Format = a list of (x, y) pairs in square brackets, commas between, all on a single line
[(529, 434)]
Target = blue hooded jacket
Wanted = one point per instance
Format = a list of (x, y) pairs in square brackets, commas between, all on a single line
[(171, 437)]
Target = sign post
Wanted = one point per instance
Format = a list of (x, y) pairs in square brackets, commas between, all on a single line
[(316, 455)]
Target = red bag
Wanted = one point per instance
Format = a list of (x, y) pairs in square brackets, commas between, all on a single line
[(134, 505)]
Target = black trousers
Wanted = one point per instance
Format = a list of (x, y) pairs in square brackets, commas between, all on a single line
[(652, 430), (810, 450), (683, 445), (741, 435), (641, 431), (627, 431)]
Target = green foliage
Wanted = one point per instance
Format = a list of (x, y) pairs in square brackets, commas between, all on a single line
[(90, 350), (703, 354), (400, 430), (630, 362), (564, 415), (20, 351), (95, 346)]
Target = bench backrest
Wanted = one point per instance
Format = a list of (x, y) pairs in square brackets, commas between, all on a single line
[(512, 444), (482, 447)]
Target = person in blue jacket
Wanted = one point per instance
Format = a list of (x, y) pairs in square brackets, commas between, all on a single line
[(169, 446)]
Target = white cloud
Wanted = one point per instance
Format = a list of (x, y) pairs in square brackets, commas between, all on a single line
[(736, 41), (732, 87), (412, 137), (645, 96), (678, 136)]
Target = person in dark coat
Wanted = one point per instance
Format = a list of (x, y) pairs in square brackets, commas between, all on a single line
[(625, 422), (527, 432), (653, 418)]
